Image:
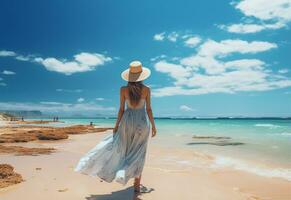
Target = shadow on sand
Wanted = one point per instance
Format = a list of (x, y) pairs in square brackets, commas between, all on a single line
[(126, 194)]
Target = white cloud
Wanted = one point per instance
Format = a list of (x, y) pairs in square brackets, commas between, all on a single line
[(6, 72), (266, 9), (250, 28), (186, 108), (92, 59), (1, 79), (188, 39), (174, 70), (283, 71), (211, 71), (3, 84), (69, 90), (24, 58), (173, 36), (83, 62), (53, 103), (5, 53), (80, 100), (100, 99), (158, 57), (226, 47), (192, 41), (159, 36), (268, 14), (210, 50), (53, 107)]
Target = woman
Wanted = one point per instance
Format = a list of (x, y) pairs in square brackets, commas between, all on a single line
[(121, 156)]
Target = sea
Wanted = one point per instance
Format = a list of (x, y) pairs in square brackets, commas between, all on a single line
[(257, 145)]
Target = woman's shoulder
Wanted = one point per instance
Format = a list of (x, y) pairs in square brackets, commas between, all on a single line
[(123, 88), (146, 87)]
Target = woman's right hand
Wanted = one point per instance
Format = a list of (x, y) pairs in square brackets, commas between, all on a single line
[(154, 131), (115, 129)]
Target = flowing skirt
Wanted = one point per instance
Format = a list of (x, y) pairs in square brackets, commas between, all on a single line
[(119, 156)]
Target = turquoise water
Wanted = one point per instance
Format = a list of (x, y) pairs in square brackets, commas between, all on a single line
[(252, 144)]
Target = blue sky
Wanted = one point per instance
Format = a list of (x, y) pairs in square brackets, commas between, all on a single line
[(208, 58)]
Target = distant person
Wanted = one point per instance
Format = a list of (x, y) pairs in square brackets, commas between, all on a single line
[(121, 156), (91, 123)]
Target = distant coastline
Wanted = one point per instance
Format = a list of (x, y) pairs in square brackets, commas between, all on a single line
[(36, 114)]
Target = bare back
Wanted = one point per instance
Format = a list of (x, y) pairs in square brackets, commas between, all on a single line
[(145, 94)]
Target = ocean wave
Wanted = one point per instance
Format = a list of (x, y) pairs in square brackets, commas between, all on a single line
[(267, 125), (286, 134), (244, 166)]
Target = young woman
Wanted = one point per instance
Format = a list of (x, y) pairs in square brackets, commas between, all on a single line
[(121, 156)]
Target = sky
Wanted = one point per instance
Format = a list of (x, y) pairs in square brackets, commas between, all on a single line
[(207, 58)]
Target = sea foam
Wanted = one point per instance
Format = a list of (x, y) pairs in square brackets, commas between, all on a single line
[(221, 161), (267, 125)]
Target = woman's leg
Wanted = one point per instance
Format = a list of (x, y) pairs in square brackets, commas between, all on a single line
[(137, 184)]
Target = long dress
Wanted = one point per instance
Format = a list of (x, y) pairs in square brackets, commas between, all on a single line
[(120, 156)]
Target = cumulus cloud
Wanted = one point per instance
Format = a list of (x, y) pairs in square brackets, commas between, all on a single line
[(82, 62), (250, 28), (100, 99), (283, 71), (56, 107), (210, 70), (267, 14), (7, 72), (210, 50), (186, 108), (69, 90), (158, 57), (24, 58), (189, 40), (174, 70), (173, 36), (159, 36), (192, 41), (3, 84), (5, 53)]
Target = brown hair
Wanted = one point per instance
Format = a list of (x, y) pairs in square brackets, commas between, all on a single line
[(134, 92)]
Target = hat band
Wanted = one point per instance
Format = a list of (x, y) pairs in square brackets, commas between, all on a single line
[(134, 70)]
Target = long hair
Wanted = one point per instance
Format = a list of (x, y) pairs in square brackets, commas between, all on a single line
[(134, 92)]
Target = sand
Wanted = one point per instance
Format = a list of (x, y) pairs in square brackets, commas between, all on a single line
[(167, 175)]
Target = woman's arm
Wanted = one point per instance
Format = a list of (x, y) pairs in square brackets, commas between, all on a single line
[(121, 109), (150, 113)]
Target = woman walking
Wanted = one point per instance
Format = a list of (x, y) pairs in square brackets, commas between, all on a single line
[(121, 156)]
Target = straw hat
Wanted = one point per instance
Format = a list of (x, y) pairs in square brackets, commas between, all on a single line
[(136, 72)]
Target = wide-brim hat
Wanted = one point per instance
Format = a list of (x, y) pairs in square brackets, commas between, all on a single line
[(136, 72)]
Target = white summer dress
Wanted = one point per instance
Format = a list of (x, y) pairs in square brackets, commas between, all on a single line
[(120, 155)]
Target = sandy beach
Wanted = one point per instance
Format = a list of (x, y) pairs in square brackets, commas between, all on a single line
[(167, 175)]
